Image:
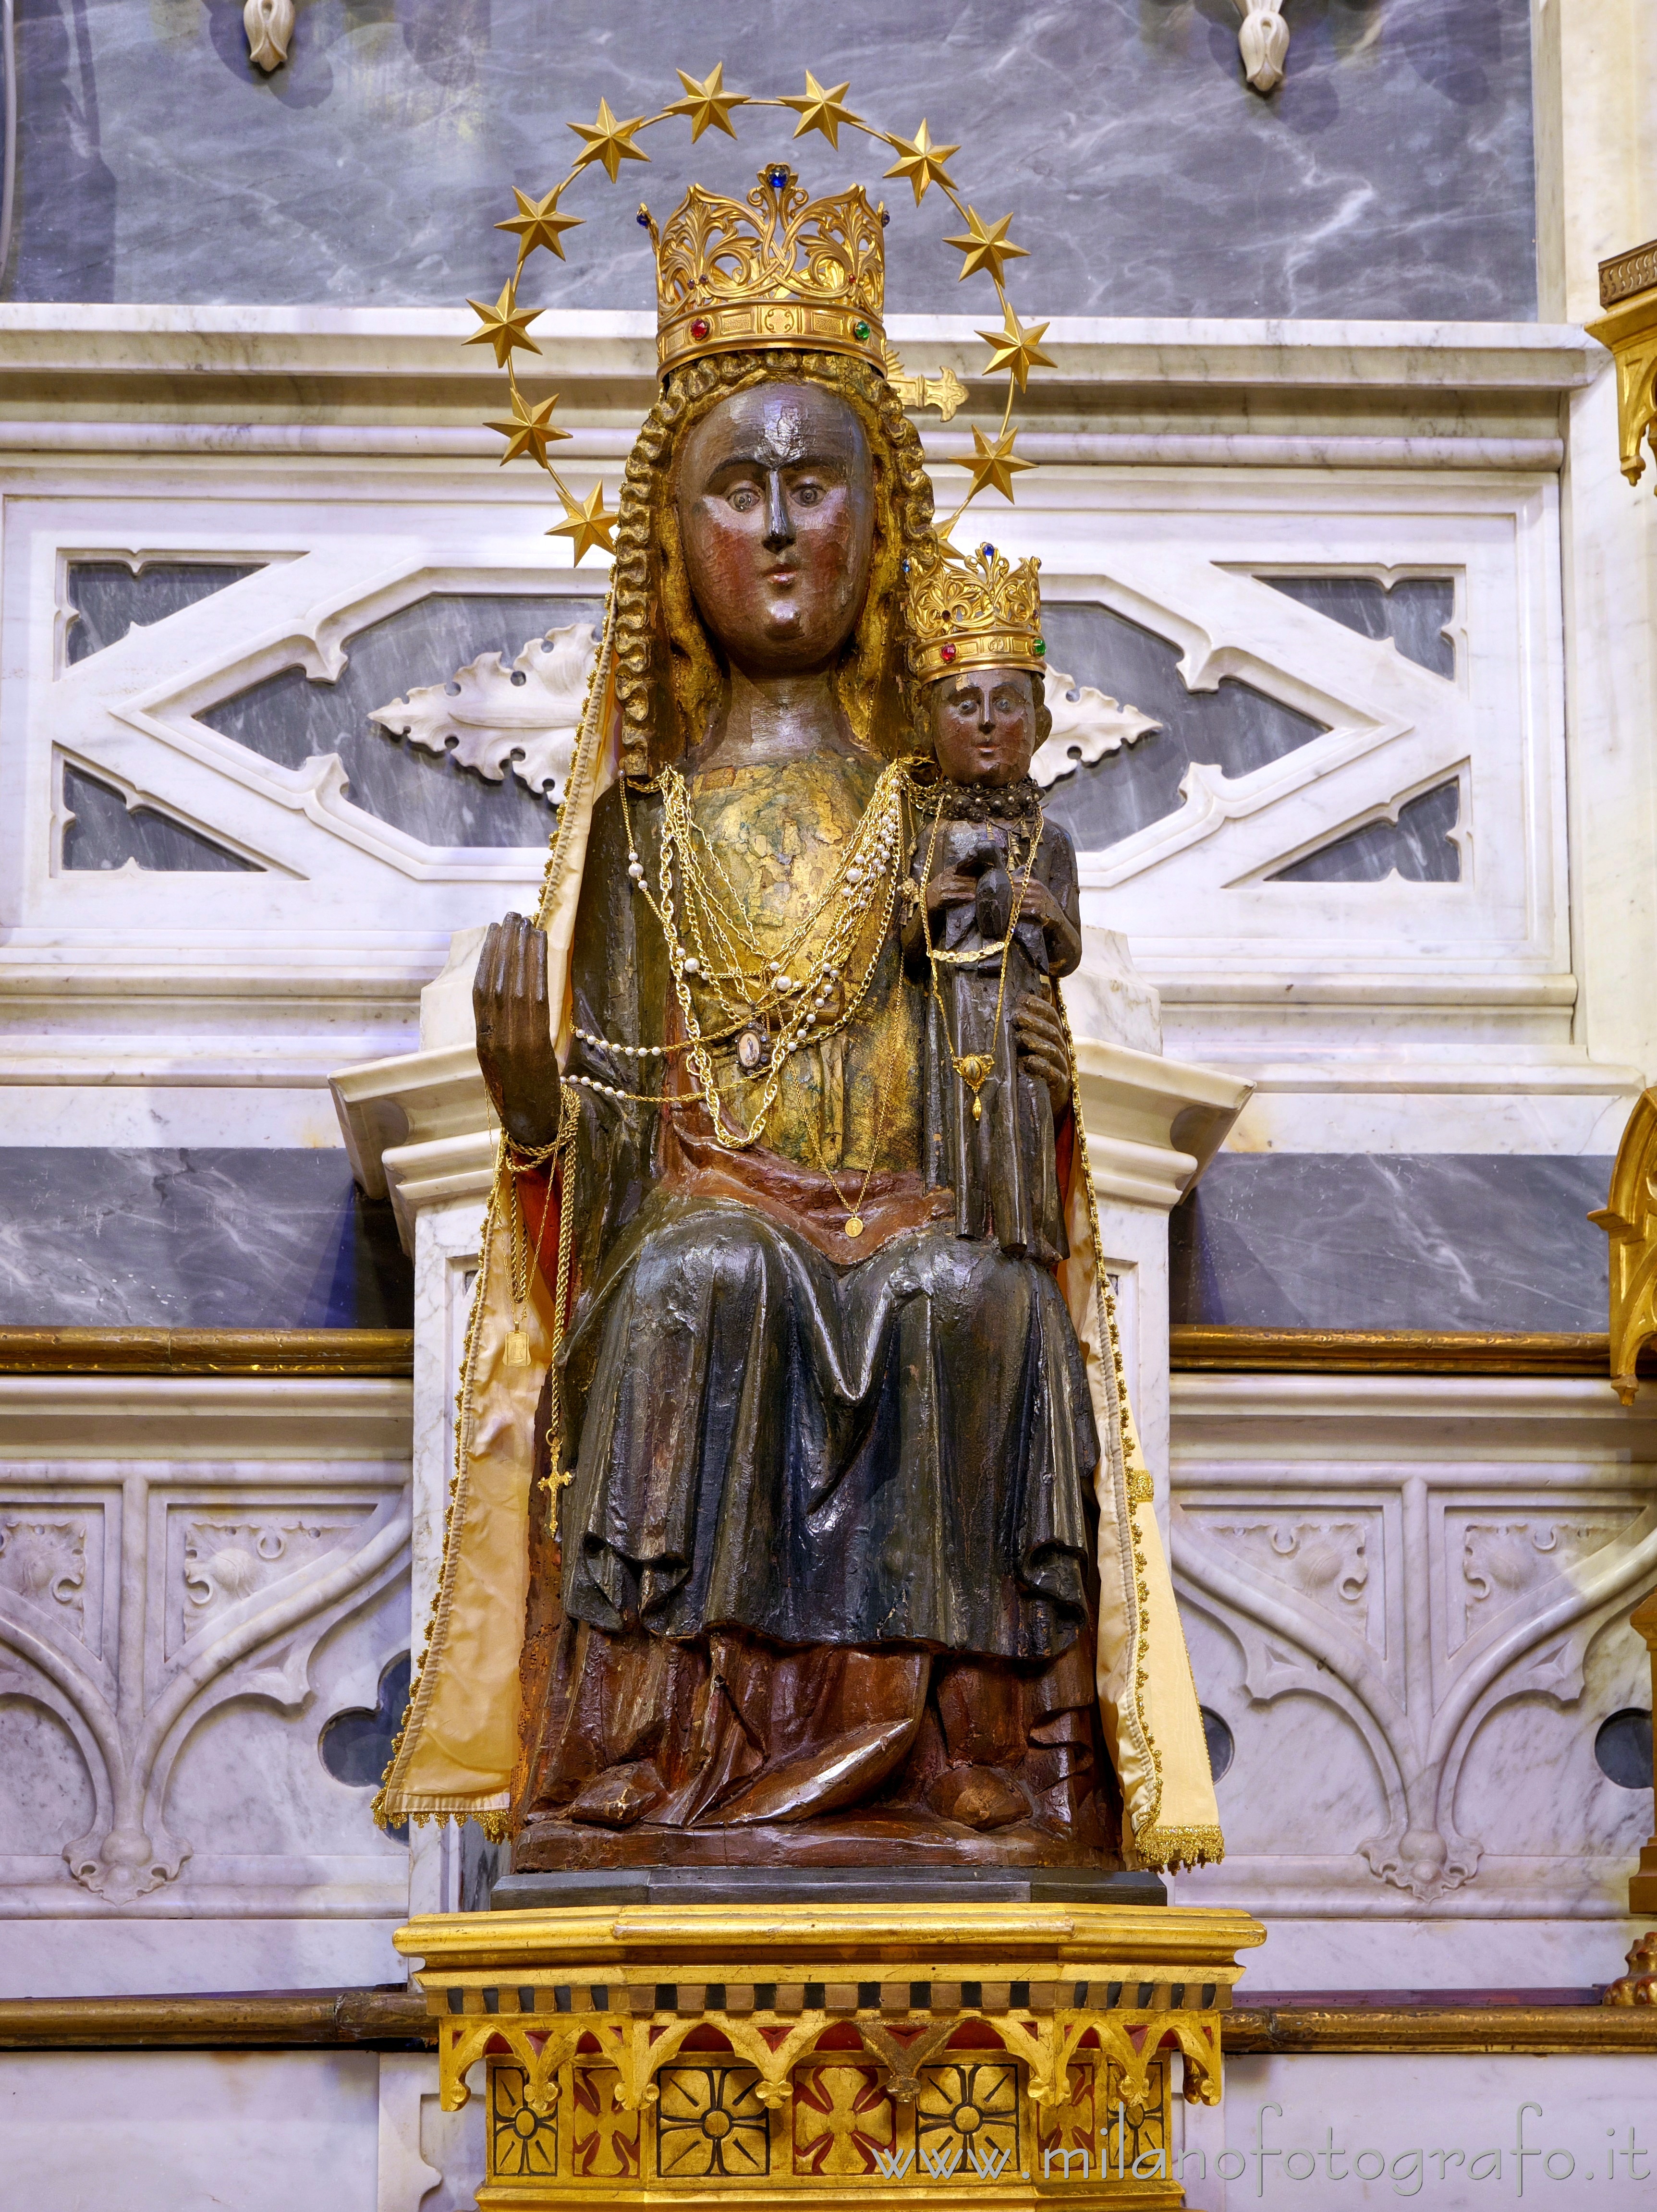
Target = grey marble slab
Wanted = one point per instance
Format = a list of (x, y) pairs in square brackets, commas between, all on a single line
[(1410, 1241), (1415, 613), (290, 716), (1391, 175), (1417, 848), (1234, 727), (195, 1239), (101, 831), (109, 599)]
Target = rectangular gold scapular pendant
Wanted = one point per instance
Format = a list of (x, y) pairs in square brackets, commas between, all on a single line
[(517, 1348)]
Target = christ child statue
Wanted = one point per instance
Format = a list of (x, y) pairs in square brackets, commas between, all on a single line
[(995, 923)]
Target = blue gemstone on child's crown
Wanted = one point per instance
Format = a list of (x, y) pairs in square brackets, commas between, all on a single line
[(778, 179)]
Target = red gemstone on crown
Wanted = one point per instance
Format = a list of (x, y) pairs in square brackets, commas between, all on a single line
[(699, 329), (949, 652)]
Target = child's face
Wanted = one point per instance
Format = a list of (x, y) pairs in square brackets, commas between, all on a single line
[(984, 725)]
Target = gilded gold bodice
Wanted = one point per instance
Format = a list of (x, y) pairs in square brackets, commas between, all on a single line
[(776, 832)]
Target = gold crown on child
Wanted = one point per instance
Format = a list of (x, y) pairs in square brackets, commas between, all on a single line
[(976, 610), (780, 269)]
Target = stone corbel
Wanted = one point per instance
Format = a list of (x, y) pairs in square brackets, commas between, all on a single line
[(1628, 290), (1264, 40), (1629, 1219), (270, 25)]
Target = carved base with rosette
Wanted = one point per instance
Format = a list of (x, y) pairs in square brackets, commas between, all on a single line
[(814, 2055)]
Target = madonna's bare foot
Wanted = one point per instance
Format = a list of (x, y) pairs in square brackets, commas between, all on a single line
[(978, 1797), (618, 1797)]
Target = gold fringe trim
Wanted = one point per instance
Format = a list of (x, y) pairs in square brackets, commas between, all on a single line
[(392, 1806), (1168, 1849), (1134, 1486)]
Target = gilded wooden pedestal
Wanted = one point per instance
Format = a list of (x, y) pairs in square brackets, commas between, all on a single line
[(803, 2056)]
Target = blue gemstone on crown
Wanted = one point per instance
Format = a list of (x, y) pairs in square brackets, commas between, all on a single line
[(987, 550), (777, 178), (642, 220)]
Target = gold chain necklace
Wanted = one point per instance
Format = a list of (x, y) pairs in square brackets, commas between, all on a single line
[(854, 1221), (863, 892), (973, 1068)]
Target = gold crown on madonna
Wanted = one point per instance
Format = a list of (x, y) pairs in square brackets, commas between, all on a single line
[(778, 270), (975, 610)]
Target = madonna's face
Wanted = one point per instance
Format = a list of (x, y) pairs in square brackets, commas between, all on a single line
[(776, 516)]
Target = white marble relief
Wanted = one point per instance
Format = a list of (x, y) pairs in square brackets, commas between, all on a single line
[(147, 1607), (489, 716), (1262, 40), (1087, 725), (269, 25), (1404, 1620)]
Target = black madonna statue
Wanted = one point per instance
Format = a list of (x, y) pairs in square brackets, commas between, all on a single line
[(798, 1515)]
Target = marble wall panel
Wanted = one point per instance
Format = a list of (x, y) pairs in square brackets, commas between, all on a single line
[(1415, 613), (1417, 849), (195, 1239), (107, 597), (1370, 1240), (1234, 727), (102, 831), (291, 717), (1391, 175)]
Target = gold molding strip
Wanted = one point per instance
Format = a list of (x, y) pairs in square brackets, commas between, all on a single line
[(306, 2019), (1535, 2030), (1625, 274), (1628, 1218), (1195, 1347), (368, 1351), (284, 2019)]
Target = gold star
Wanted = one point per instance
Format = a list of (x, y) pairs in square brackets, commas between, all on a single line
[(994, 465), (986, 249), (610, 142), (590, 523), (1016, 348), (531, 429), (538, 224), (708, 104), (504, 327), (921, 162), (821, 111)]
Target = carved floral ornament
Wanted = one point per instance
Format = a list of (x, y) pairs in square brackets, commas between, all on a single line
[(1263, 42), (489, 716), (269, 25)]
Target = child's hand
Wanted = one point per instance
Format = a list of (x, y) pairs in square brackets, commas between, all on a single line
[(1042, 1048), (1063, 946), (951, 889)]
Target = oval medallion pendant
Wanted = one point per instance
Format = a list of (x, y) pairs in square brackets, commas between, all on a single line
[(854, 1226)]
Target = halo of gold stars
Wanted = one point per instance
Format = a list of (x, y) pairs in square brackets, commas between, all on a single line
[(590, 523), (921, 162), (993, 465), (707, 104), (1016, 347), (505, 325), (530, 430), (819, 110), (608, 140), (538, 223)]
